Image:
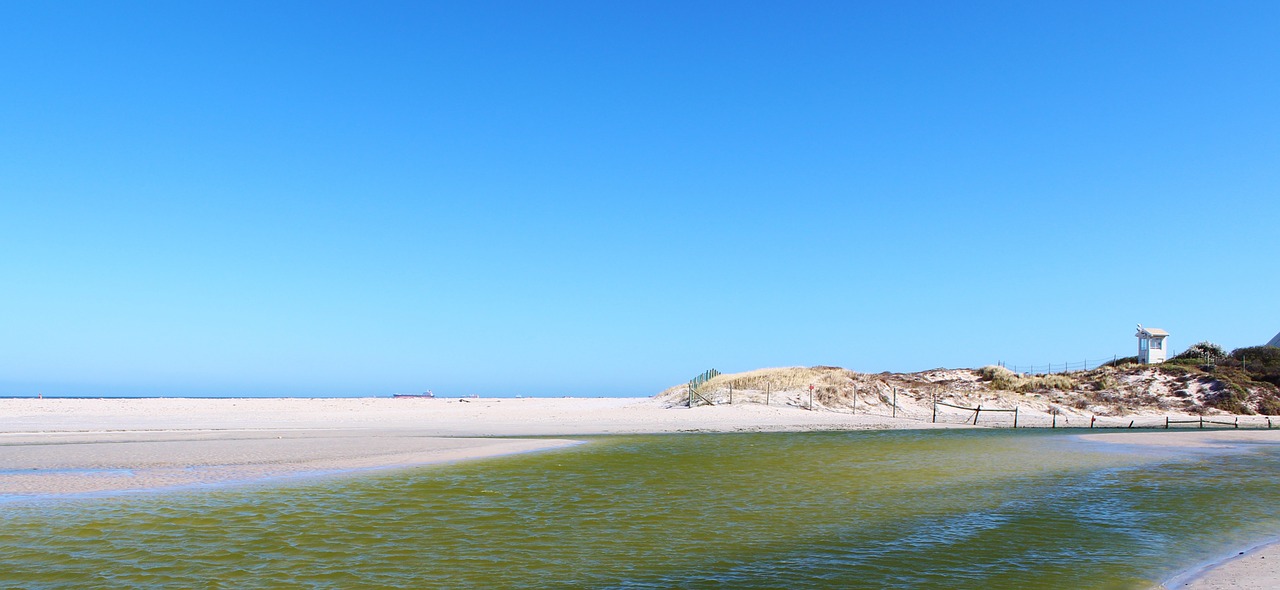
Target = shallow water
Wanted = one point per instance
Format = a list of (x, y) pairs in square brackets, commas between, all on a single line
[(949, 509)]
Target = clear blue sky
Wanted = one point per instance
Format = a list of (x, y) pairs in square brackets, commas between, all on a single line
[(604, 198)]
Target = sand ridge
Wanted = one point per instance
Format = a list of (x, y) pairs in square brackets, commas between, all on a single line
[(68, 464)]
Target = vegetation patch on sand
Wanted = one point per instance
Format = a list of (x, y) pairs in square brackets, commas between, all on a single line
[(1001, 378), (1204, 380)]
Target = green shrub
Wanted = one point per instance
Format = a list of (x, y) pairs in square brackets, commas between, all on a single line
[(1261, 360), (1202, 352), (1269, 405)]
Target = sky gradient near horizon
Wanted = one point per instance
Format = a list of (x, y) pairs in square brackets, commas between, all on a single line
[(585, 198)]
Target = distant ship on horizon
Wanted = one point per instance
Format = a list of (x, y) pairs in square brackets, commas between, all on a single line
[(427, 394)]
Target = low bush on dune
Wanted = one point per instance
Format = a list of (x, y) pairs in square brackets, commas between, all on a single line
[(1229, 397), (1250, 377), (1003, 379), (1201, 353), (1269, 405), (991, 372), (1105, 381), (1261, 363)]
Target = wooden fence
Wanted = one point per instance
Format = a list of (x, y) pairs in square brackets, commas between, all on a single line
[(1200, 422), (698, 393), (696, 384), (976, 411)]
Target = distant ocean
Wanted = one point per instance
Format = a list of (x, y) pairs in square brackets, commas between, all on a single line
[(187, 396), (441, 396), (115, 397), (915, 509)]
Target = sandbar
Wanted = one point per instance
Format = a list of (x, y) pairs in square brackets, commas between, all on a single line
[(60, 447), (1188, 438), (86, 463)]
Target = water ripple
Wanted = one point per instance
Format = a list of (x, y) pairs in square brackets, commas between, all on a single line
[(816, 510)]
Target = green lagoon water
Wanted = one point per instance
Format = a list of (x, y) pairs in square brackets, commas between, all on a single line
[(926, 509)]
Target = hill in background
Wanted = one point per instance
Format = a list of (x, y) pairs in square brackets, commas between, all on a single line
[(1244, 382)]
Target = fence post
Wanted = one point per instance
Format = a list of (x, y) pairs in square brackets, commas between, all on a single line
[(1015, 416), (1131, 424), (1166, 422), (1092, 419), (1202, 422), (767, 388), (975, 414), (1055, 420), (731, 394), (1237, 422), (895, 402), (855, 399)]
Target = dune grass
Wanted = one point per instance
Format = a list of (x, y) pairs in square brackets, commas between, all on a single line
[(783, 378), (1001, 378)]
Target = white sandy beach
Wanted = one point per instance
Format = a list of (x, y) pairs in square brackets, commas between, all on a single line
[(77, 446), (57, 447), (435, 417)]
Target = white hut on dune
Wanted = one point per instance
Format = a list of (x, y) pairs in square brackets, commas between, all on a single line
[(1151, 345)]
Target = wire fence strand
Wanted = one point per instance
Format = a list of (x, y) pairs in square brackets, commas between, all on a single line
[(1063, 367)]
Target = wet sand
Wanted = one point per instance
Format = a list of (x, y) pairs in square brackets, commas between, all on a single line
[(1188, 438), (62, 464), (1255, 569)]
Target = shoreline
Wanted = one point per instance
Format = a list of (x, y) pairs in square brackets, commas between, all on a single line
[(60, 448), (1249, 569), (1252, 567)]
